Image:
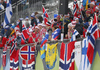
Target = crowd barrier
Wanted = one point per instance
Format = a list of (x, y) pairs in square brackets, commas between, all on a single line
[(41, 65)]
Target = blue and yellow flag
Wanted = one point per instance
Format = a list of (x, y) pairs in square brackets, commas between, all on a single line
[(51, 55)]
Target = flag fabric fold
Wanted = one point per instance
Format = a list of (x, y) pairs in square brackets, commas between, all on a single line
[(51, 55), (42, 47), (70, 55), (73, 38), (8, 13), (92, 38), (45, 16), (4, 56), (1, 7), (63, 57)]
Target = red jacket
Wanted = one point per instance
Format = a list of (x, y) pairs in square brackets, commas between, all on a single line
[(3, 42)]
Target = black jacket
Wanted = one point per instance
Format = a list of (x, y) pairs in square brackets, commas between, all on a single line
[(79, 28), (34, 22)]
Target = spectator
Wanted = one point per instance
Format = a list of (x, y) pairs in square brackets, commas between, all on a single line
[(92, 5), (70, 31), (12, 30), (88, 15), (27, 23), (2, 29), (7, 32), (20, 24), (77, 20), (33, 20), (59, 23), (66, 22)]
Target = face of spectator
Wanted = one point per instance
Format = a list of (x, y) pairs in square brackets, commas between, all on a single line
[(58, 19), (36, 30), (5, 30), (99, 6), (32, 18), (87, 14), (91, 5), (11, 29), (26, 19), (77, 21), (53, 29), (0, 39), (40, 27)]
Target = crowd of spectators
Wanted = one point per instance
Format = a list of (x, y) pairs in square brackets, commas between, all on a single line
[(35, 26)]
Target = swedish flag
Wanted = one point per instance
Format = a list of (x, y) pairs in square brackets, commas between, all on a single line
[(51, 55)]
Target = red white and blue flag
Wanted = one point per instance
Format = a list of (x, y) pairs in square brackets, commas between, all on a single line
[(27, 53), (45, 16), (70, 56), (13, 51), (25, 34), (4, 56), (28, 64), (92, 38), (45, 13), (67, 56), (14, 62), (75, 7), (42, 47), (63, 57)]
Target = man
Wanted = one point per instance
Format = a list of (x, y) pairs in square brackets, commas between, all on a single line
[(27, 23), (7, 32), (33, 20), (66, 22), (59, 23), (2, 29)]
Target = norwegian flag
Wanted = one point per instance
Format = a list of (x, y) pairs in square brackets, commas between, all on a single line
[(45, 16), (4, 56), (14, 63), (28, 58), (63, 57), (75, 7), (24, 32), (45, 13), (27, 52), (13, 51), (92, 38), (46, 22), (70, 56)]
